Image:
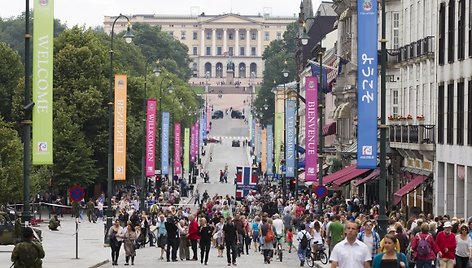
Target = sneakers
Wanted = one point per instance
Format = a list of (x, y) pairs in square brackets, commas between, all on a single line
[(234, 263)]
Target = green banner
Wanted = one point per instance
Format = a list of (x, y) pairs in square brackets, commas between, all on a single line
[(43, 38), (186, 151), (250, 125), (279, 136)]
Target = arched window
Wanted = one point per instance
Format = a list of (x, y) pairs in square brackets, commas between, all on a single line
[(208, 69), (253, 69), (194, 69), (219, 69), (242, 70)]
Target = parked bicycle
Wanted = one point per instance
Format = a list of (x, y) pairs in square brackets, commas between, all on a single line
[(319, 255)]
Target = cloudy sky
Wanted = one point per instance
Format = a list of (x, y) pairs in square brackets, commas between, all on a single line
[(91, 12)]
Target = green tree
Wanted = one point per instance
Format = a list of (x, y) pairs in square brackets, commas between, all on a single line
[(11, 170), (11, 71)]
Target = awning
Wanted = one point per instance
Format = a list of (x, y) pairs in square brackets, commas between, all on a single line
[(329, 129), (350, 176), (369, 177), (338, 174), (412, 185)]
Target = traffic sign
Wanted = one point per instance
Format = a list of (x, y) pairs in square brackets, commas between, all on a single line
[(76, 193), (321, 191)]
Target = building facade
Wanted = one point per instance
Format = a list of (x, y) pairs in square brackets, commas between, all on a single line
[(216, 40)]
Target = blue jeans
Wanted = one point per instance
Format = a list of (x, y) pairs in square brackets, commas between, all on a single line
[(301, 253), (424, 264)]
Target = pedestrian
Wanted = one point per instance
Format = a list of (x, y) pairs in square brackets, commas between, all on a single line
[(392, 231), (129, 239), (303, 238), (240, 229), (255, 232), (463, 248), (172, 235), (267, 238), (27, 254), (446, 242), (335, 232), (196, 196), (350, 252), (218, 236), (424, 248), (193, 235), (90, 211), (370, 237), (230, 238), (390, 258), (162, 239), (205, 231), (290, 239), (115, 234), (54, 223), (184, 244)]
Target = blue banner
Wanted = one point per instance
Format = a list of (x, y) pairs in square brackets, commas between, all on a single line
[(259, 144), (290, 138), (203, 126), (270, 150), (253, 134), (202, 132), (165, 143), (367, 40)]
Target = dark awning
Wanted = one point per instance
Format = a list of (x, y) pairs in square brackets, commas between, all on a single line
[(329, 129), (350, 176), (412, 185), (369, 177)]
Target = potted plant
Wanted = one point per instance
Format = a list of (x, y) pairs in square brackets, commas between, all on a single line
[(409, 117), (420, 117)]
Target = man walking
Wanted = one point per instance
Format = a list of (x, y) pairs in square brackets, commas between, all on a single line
[(193, 235), (335, 232), (303, 238), (370, 237), (446, 241), (350, 252), (230, 237), (27, 253), (172, 236)]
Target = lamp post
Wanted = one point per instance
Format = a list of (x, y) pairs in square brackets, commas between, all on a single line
[(383, 219), (128, 38), (285, 73)]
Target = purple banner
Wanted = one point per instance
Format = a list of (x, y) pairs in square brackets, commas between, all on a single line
[(177, 150), (192, 143), (208, 117), (197, 138), (311, 127), (150, 137)]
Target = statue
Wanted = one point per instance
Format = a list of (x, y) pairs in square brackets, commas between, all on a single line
[(230, 65)]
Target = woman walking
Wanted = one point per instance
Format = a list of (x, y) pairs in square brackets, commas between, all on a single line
[(390, 258), (463, 248), (115, 234), (129, 239), (255, 233), (162, 239), (218, 236), (184, 251), (267, 242), (205, 232)]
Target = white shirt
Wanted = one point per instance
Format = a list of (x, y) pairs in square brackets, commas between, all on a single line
[(279, 226), (350, 256), (301, 233)]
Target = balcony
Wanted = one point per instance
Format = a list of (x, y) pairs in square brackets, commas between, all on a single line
[(418, 49), (413, 137)]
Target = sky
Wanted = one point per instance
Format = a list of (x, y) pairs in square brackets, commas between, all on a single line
[(91, 12)]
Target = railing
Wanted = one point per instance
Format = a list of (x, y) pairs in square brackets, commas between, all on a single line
[(417, 134), (417, 49)]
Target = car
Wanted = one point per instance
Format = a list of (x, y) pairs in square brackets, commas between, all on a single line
[(235, 143), (237, 114), (217, 115), (212, 140)]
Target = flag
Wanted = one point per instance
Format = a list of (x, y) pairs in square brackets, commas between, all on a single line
[(246, 180), (341, 63), (329, 76)]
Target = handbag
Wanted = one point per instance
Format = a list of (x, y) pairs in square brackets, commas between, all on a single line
[(269, 235)]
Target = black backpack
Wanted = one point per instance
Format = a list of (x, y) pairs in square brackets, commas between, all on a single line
[(304, 242)]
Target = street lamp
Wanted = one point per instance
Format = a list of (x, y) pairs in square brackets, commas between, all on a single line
[(128, 38), (285, 73)]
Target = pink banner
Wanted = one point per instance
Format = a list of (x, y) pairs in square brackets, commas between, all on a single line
[(208, 117), (197, 137), (177, 150), (150, 137), (311, 128), (192, 143)]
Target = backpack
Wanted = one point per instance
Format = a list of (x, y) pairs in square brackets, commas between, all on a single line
[(304, 242), (269, 235), (424, 248)]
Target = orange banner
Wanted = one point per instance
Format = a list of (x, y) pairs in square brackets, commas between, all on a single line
[(120, 127), (264, 150)]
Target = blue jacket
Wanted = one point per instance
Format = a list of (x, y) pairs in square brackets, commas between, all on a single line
[(378, 260)]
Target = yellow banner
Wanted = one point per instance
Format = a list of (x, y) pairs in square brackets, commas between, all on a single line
[(264, 150), (120, 127)]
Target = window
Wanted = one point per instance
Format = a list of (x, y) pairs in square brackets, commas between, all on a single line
[(460, 113), (279, 35), (230, 36), (253, 51), (230, 51), (171, 34), (219, 35), (241, 51), (208, 51), (441, 114), (450, 114), (183, 35), (195, 35), (469, 113), (195, 51), (266, 36), (219, 51), (442, 33), (242, 35), (461, 31), (396, 30), (450, 31), (395, 102), (208, 35), (253, 35)]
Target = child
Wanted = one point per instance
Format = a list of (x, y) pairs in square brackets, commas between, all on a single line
[(290, 239)]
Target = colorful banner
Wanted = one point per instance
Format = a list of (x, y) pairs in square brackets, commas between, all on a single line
[(208, 117), (290, 118), (165, 143), (202, 130), (250, 129), (259, 144), (270, 150), (278, 136), (151, 137), (192, 143), (311, 128), (264, 150), (253, 134), (120, 127), (367, 45), (43, 45), (197, 139), (177, 150), (186, 150)]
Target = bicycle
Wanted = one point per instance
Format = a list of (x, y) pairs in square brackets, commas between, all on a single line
[(278, 248), (318, 255)]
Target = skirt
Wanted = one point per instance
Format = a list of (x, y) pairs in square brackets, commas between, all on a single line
[(162, 241)]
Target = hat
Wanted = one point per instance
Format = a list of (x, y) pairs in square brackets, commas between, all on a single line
[(447, 224), (391, 229)]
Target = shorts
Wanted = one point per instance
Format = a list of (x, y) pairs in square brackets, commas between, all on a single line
[(255, 237), (290, 243), (162, 241)]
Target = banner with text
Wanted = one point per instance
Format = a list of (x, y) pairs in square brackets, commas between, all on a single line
[(259, 143), (151, 109), (270, 150), (120, 127), (192, 142), (186, 150), (279, 136), (43, 44), (367, 40), (311, 128), (264, 149), (197, 139), (177, 150), (290, 119), (165, 143)]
